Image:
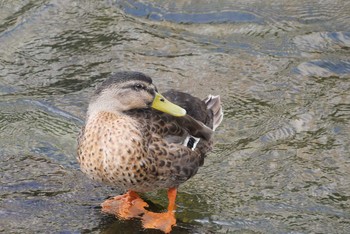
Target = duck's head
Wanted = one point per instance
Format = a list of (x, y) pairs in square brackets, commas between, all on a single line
[(125, 91)]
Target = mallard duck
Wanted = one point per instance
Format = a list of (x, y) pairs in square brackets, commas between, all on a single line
[(139, 140)]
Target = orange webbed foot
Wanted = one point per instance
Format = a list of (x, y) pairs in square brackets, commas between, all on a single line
[(161, 221), (130, 205), (126, 206)]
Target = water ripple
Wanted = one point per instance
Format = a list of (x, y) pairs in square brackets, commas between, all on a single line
[(156, 12), (323, 42), (324, 68), (43, 129)]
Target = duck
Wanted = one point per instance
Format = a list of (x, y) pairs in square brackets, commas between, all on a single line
[(139, 140)]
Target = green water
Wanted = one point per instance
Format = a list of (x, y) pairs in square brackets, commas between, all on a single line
[(281, 163)]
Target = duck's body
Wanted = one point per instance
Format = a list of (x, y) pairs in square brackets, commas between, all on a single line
[(128, 144)]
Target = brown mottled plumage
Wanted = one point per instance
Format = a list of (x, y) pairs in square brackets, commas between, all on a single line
[(128, 144)]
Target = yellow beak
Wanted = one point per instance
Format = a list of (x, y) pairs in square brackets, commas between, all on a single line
[(163, 105)]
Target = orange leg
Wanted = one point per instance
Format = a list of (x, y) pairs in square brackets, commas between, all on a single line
[(162, 221), (126, 206)]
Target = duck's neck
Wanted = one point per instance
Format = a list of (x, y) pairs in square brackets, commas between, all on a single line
[(112, 106)]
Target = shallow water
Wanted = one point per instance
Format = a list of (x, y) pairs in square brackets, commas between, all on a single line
[(281, 162)]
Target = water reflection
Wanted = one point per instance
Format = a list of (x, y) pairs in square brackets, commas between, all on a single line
[(282, 69)]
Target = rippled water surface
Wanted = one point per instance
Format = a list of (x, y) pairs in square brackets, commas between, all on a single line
[(281, 162)]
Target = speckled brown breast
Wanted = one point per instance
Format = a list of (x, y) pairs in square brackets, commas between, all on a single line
[(129, 151), (110, 150)]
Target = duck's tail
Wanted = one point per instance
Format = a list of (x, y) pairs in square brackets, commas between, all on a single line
[(214, 103)]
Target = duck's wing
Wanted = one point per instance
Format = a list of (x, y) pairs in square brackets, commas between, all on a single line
[(194, 127), (203, 116), (189, 148), (213, 103), (177, 146), (194, 107)]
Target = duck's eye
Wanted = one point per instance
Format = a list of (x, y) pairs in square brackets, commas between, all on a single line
[(138, 87)]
